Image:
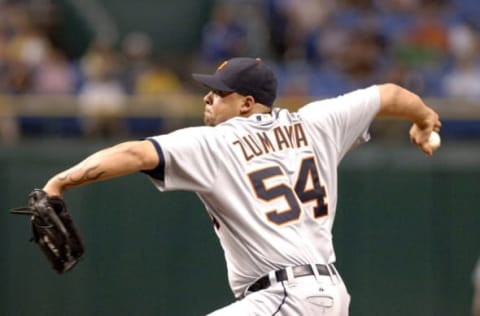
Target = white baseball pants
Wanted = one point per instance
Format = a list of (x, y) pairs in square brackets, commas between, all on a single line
[(302, 296)]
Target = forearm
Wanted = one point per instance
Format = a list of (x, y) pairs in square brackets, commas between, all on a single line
[(400, 103), (116, 161)]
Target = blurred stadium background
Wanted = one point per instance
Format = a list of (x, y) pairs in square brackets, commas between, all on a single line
[(78, 75)]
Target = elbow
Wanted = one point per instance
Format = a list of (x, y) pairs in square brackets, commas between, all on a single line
[(144, 155), (390, 92)]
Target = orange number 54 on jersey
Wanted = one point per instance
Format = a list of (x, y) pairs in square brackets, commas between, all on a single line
[(306, 189)]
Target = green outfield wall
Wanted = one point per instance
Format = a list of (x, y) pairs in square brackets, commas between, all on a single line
[(407, 237)]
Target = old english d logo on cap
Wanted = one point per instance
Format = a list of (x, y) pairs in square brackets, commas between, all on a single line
[(222, 65)]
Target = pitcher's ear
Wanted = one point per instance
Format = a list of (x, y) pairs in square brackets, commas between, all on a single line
[(248, 103)]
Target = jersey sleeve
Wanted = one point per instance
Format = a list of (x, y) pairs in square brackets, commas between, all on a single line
[(190, 159), (345, 119)]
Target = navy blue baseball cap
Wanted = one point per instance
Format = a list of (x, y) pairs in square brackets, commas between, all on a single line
[(245, 76)]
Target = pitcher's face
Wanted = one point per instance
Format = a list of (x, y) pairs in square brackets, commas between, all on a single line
[(221, 106)]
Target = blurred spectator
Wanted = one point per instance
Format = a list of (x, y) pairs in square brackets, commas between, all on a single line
[(398, 6), (357, 4), (328, 43), (23, 47), (290, 23), (28, 44), (304, 17), (347, 57), (462, 80), (102, 98), (100, 58), (137, 53), (157, 79), (424, 43), (250, 14), (278, 13), (223, 36), (55, 75), (293, 80), (361, 61), (9, 129), (18, 78)]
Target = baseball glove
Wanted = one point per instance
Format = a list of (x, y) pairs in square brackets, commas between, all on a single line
[(53, 230)]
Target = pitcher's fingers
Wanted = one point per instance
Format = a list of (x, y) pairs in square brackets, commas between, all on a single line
[(426, 149)]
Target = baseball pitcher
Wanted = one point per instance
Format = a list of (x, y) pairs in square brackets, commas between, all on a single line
[(268, 180)]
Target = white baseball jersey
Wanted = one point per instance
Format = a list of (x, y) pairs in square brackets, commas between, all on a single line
[(269, 182)]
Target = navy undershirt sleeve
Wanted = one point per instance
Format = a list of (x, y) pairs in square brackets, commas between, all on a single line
[(159, 171)]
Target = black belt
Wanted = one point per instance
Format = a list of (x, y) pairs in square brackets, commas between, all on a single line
[(298, 271)]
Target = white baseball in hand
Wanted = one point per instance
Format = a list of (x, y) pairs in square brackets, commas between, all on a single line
[(434, 140)]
